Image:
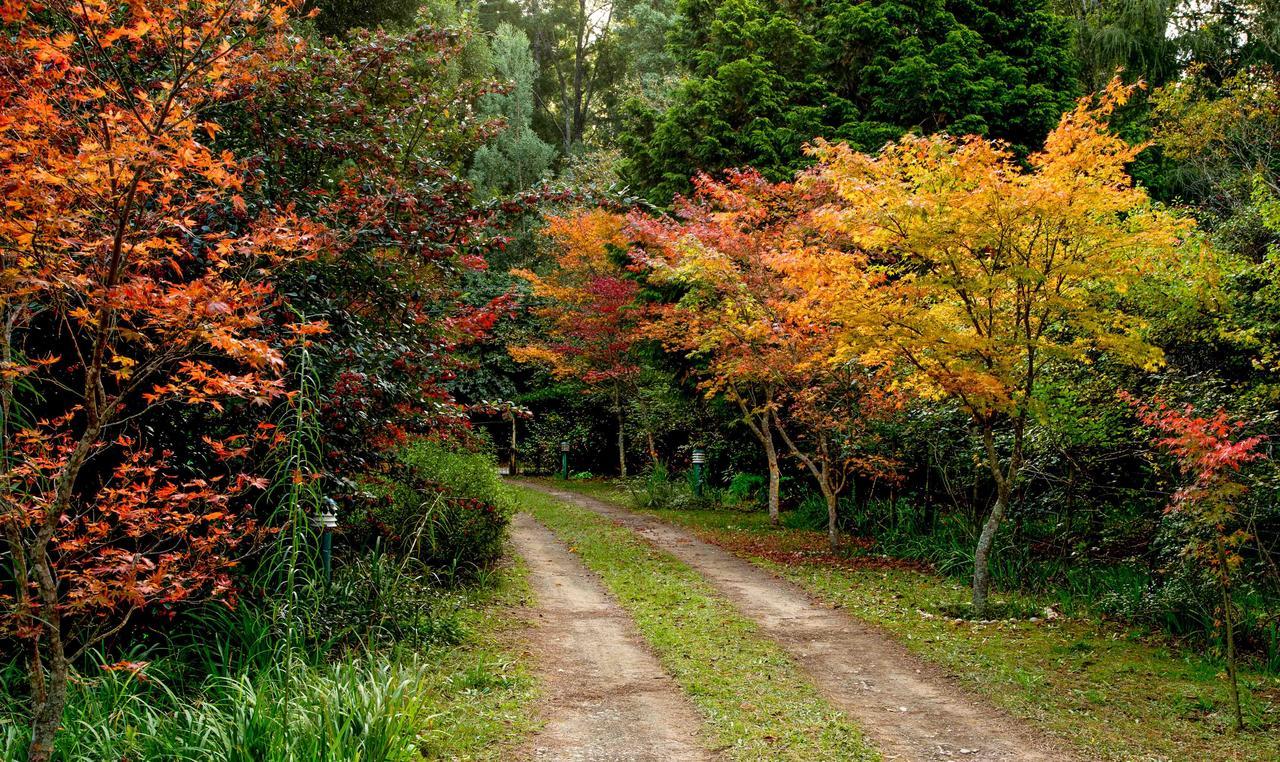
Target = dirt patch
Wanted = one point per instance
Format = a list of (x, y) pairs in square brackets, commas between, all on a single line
[(907, 706), (604, 695), (804, 548)]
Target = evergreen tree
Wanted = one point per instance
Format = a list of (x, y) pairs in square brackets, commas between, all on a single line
[(767, 77), (516, 158)]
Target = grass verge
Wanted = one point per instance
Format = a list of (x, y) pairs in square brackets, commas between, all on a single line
[(478, 695), (1113, 691), (751, 695), (468, 700)]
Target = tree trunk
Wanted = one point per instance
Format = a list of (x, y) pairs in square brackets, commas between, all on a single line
[(1228, 626), (46, 717), (622, 434), (515, 462), (833, 534), (775, 476), (982, 555)]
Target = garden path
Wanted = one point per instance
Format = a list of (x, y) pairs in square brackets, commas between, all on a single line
[(910, 709), (605, 697)]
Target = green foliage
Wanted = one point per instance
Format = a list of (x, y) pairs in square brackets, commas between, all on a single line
[(657, 488), (443, 507), (516, 158), (230, 690), (745, 491), (1128, 35), (348, 711), (339, 16), (766, 79)]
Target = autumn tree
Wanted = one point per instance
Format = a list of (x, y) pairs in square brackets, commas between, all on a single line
[(736, 317), (716, 248), (362, 136), (588, 306), (1211, 451), (970, 275), (134, 276)]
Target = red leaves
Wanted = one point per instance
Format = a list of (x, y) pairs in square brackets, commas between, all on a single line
[(145, 537), (1210, 452), (590, 304), (116, 230)]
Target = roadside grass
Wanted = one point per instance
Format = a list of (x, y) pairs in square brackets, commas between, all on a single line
[(752, 697), (464, 700), (478, 696), (1113, 691)]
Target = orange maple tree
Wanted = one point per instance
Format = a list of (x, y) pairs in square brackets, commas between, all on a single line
[(716, 247), (737, 317), (967, 273), (588, 304), (131, 277)]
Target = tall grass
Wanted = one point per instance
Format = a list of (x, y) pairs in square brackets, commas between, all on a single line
[(356, 710)]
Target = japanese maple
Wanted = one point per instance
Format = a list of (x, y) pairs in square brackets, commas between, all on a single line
[(588, 302), (737, 316), (967, 273), (134, 277), (716, 248), (1210, 450)]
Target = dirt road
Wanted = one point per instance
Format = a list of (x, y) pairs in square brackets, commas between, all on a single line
[(909, 708), (604, 695)]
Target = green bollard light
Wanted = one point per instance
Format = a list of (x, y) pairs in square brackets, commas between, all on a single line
[(699, 460), (326, 522), (564, 459)]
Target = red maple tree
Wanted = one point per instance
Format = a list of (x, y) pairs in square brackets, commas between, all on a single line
[(133, 277), (1211, 451)]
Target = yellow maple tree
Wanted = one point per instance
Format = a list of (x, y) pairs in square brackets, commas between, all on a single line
[(968, 272)]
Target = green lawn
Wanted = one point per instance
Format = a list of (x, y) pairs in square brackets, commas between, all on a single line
[(1115, 691), (755, 702)]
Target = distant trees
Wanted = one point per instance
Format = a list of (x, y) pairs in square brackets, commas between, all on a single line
[(765, 80), (590, 312), (516, 158)]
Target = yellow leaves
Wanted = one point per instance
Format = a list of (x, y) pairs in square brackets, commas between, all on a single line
[(963, 269), (584, 238), (122, 367)]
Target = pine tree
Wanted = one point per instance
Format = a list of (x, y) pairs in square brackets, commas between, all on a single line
[(516, 158)]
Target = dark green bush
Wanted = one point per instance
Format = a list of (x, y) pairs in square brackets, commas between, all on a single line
[(746, 491), (445, 508)]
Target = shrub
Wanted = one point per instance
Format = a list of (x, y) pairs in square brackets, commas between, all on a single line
[(746, 491), (656, 489), (445, 508)]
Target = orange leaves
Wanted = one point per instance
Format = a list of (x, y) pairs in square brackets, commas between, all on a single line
[(112, 228), (143, 537), (967, 272), (589, 302)]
